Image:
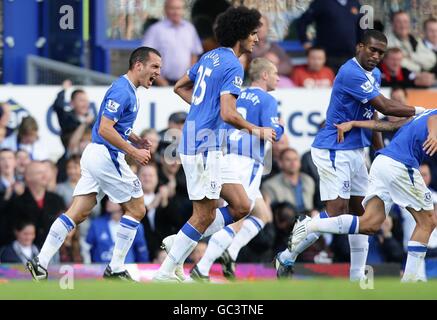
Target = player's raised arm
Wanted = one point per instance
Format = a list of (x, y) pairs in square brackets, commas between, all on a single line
[(184, 88), (430, 144), (394, 108), (376, 125), (108, 132), (229, 114)]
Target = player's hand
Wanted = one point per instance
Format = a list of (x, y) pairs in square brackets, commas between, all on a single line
[(266, 133), (142, 156), (66, 84), (430, 145), (342, 128), (144, 143)]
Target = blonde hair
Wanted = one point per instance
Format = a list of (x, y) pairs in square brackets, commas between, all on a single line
[(258, 66)]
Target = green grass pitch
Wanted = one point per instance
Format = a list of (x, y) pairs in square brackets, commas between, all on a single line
[(308, 289)]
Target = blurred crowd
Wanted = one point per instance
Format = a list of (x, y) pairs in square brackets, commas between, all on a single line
[(34, 190), (338, 25)]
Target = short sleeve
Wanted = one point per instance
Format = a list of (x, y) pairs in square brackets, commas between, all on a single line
[(270, 117), (192, 72), (360, 87), (115, 102), (232, 80)]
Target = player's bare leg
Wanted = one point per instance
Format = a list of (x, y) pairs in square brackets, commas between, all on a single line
[(134, 211), (425, 224), (226, 243), (79, 210), (186, 239)]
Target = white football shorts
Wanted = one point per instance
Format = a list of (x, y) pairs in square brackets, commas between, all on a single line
[(343, 173), (249, 172), (108, 173), (393, 182), (205, 175)]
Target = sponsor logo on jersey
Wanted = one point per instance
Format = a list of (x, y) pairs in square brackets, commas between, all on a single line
[(238, 82), (367, 87), (112, 106)]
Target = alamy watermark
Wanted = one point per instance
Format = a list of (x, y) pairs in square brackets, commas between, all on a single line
[(368, 282), (368, 18), (66, 22), (66, 282)]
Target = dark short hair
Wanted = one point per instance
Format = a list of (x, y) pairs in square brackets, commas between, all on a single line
[(75, 93), (19, 225), (373, 34), (429, 20), (75, 158), (397, 88), (236, 24), (315, 48), (142, 55), (283, 152), (396, 13)]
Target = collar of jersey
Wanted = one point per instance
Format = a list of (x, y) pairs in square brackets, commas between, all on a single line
[(130, 82), (232, 50), (365, 71)]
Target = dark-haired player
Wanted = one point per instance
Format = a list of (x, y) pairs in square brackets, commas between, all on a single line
[(212, 86), (341, 166), (104, 169)]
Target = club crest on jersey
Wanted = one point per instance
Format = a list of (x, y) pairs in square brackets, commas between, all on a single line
[(346, 186), (238, 82), (367, 87), (112, 106), (213, 185), (428, 197), (137, 186)]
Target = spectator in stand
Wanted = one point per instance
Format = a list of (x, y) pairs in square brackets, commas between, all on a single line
[(22, 248), (154, 138), (10, 187), (337, 29), (22, 161), (161, 220), (284, 216), (27, 139), (417, 57), (51, 172), (394, 74), (72, 115), (36, 204), (174, 129), (291, 185), (315, 74), (265, 45), (430, 40), (102, 233), (284, 81), (177, 41), (65, 189), (79, 140)]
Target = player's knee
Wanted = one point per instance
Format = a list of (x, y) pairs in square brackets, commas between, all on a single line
[(241, 209), (426, 224), (369, 227), (138, 212)]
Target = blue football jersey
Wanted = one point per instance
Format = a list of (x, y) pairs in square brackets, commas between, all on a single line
[(120, 104), (217, 72), (257, 107), (407, 145), (353, 88)]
